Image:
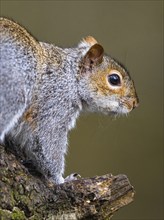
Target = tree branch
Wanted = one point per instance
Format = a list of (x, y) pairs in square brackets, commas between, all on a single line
[(25, 196)]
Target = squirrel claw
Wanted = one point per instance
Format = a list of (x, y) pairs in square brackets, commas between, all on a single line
[(73, 176)]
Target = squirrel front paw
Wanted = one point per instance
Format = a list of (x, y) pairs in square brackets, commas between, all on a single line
[(73, 176)]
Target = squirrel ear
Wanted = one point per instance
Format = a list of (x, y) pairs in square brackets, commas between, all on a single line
[(88, 41), (94, 55)]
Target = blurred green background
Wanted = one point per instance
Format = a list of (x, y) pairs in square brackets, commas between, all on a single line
[(132, 32)]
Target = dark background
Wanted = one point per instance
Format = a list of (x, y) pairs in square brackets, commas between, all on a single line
[(132, 32)]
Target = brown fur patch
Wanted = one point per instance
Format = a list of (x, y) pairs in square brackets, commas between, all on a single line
[(30, 117)]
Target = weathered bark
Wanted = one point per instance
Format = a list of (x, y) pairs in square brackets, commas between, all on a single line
[(25, 196)]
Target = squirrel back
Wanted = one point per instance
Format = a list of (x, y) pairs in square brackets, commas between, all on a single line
[(19, 60), (44, 88)]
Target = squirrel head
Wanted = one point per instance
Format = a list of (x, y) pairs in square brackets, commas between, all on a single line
[(104, 85)]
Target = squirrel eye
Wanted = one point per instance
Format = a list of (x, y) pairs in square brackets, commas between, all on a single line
[(114, 79)]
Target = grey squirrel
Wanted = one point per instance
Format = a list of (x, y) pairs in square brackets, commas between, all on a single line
[(43, 89)]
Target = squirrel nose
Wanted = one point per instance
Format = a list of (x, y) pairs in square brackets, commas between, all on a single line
[(135, 102)]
